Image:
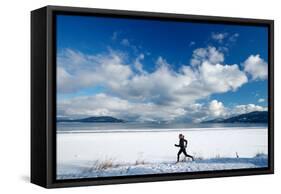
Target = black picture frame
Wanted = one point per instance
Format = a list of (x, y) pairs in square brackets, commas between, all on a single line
[(43, 96)]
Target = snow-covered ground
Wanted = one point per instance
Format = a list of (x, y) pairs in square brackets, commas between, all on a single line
[(96, 169), (92, 154)]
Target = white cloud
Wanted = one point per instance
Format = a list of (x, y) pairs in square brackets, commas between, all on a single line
[(222, 78), (210, 54), (226, 38), (234, 37), (242, 109), (219, 36), (97, 105), (192, 43), (161, 62), (103, 104), (65, 82), (138, 64), (256, 67), (261, 100), (217, 109), (115, 35), (132, 93), (77, 71), (165, 86), (125, 42), (128, 43)]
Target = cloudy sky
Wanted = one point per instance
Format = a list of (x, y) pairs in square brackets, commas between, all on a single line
[(140, 70)]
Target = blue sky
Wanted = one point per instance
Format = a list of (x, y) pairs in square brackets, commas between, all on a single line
[(142, 47)]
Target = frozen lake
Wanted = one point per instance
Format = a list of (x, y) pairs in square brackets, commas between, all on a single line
[(131, 146)]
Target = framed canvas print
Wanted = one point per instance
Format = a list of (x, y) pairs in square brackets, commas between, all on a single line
[(125, 96)]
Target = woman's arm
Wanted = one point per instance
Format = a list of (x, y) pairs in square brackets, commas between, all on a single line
[(185, 142)]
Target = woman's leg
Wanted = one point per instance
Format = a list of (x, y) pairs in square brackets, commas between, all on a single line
[(179, 153), (187, 155)]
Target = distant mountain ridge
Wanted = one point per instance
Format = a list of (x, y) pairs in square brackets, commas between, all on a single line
[(252, 117), (94, 119)]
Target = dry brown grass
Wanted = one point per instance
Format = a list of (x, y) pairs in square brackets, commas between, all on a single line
[(140, 162), (259, 154), (102, 165), (197, 156)]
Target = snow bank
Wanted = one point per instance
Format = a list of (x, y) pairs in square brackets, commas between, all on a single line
[(88, 170)]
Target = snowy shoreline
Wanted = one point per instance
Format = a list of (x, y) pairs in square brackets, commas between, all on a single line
[(88, 170)]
